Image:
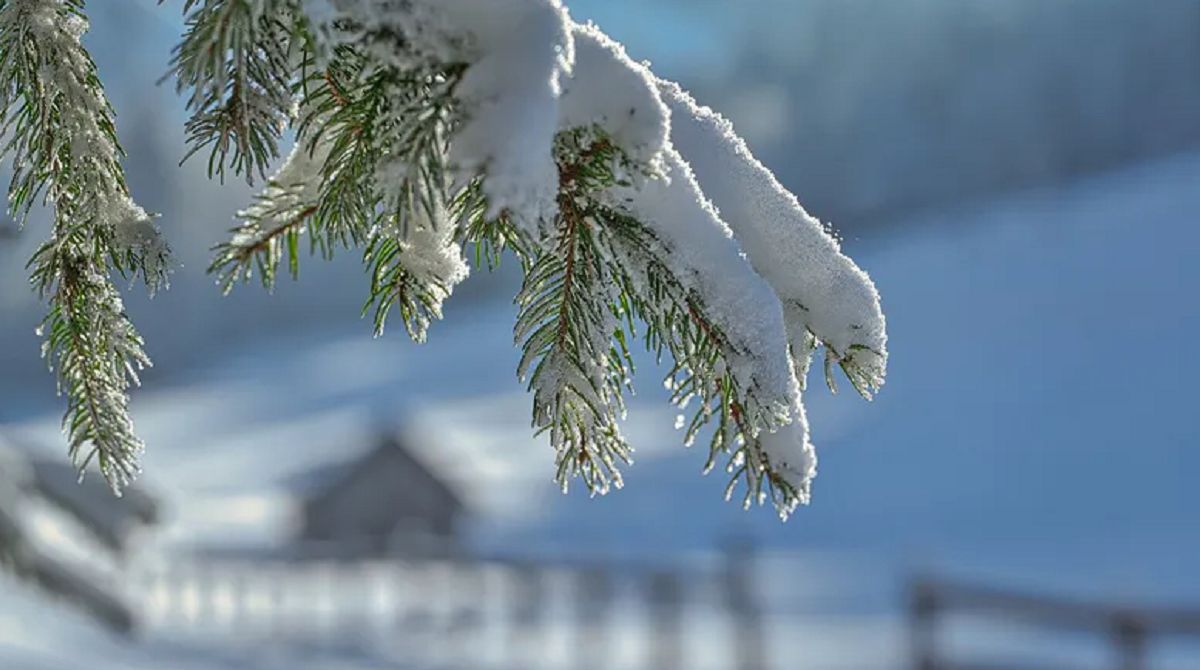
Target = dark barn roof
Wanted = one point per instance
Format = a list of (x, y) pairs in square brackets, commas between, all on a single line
[(387, 501)]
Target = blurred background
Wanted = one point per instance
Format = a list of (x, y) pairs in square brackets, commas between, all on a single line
[(1020, 177)]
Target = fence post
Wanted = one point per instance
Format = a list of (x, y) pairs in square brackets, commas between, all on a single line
[(666, 606), (415, 615), (1129, 635), (467, 592), (749, 635), (593, 607), (528, 607), (278, 619), (923, 622), (167, 596)]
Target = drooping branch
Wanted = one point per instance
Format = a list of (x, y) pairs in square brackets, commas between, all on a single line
[(567, 326), (63, 144)]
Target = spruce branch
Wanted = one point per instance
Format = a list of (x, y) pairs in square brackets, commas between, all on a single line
[(401, 118), (98, 355), (585, 297), (566, 327), (270, 231), (341, 116), (369, 159), (412, 273), (236, 59), (300, 198), (676, 323), (674, 319), (61, 136), (491, 237)]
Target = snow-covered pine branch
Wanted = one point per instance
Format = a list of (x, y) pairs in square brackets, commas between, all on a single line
[(60, 135), (424, 127)]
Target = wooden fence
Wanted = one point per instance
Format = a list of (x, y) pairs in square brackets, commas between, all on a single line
[(1129, 631), (469, 614)]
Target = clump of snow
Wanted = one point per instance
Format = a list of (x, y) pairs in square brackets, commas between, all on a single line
[(822, 289), (517, 52), (134, 232), (608, 89), (433, 258), (791, 457), (514, 51), (703, 256)]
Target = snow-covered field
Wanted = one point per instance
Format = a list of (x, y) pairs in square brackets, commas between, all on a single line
[(1036, 431)]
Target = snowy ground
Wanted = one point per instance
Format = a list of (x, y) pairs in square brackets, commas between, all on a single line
[(1036, 431)]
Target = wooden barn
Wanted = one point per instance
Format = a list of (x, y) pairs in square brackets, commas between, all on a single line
[(388, 502)]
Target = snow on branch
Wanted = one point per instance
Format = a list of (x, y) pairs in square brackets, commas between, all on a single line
[(425, 127), (825, 295)]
